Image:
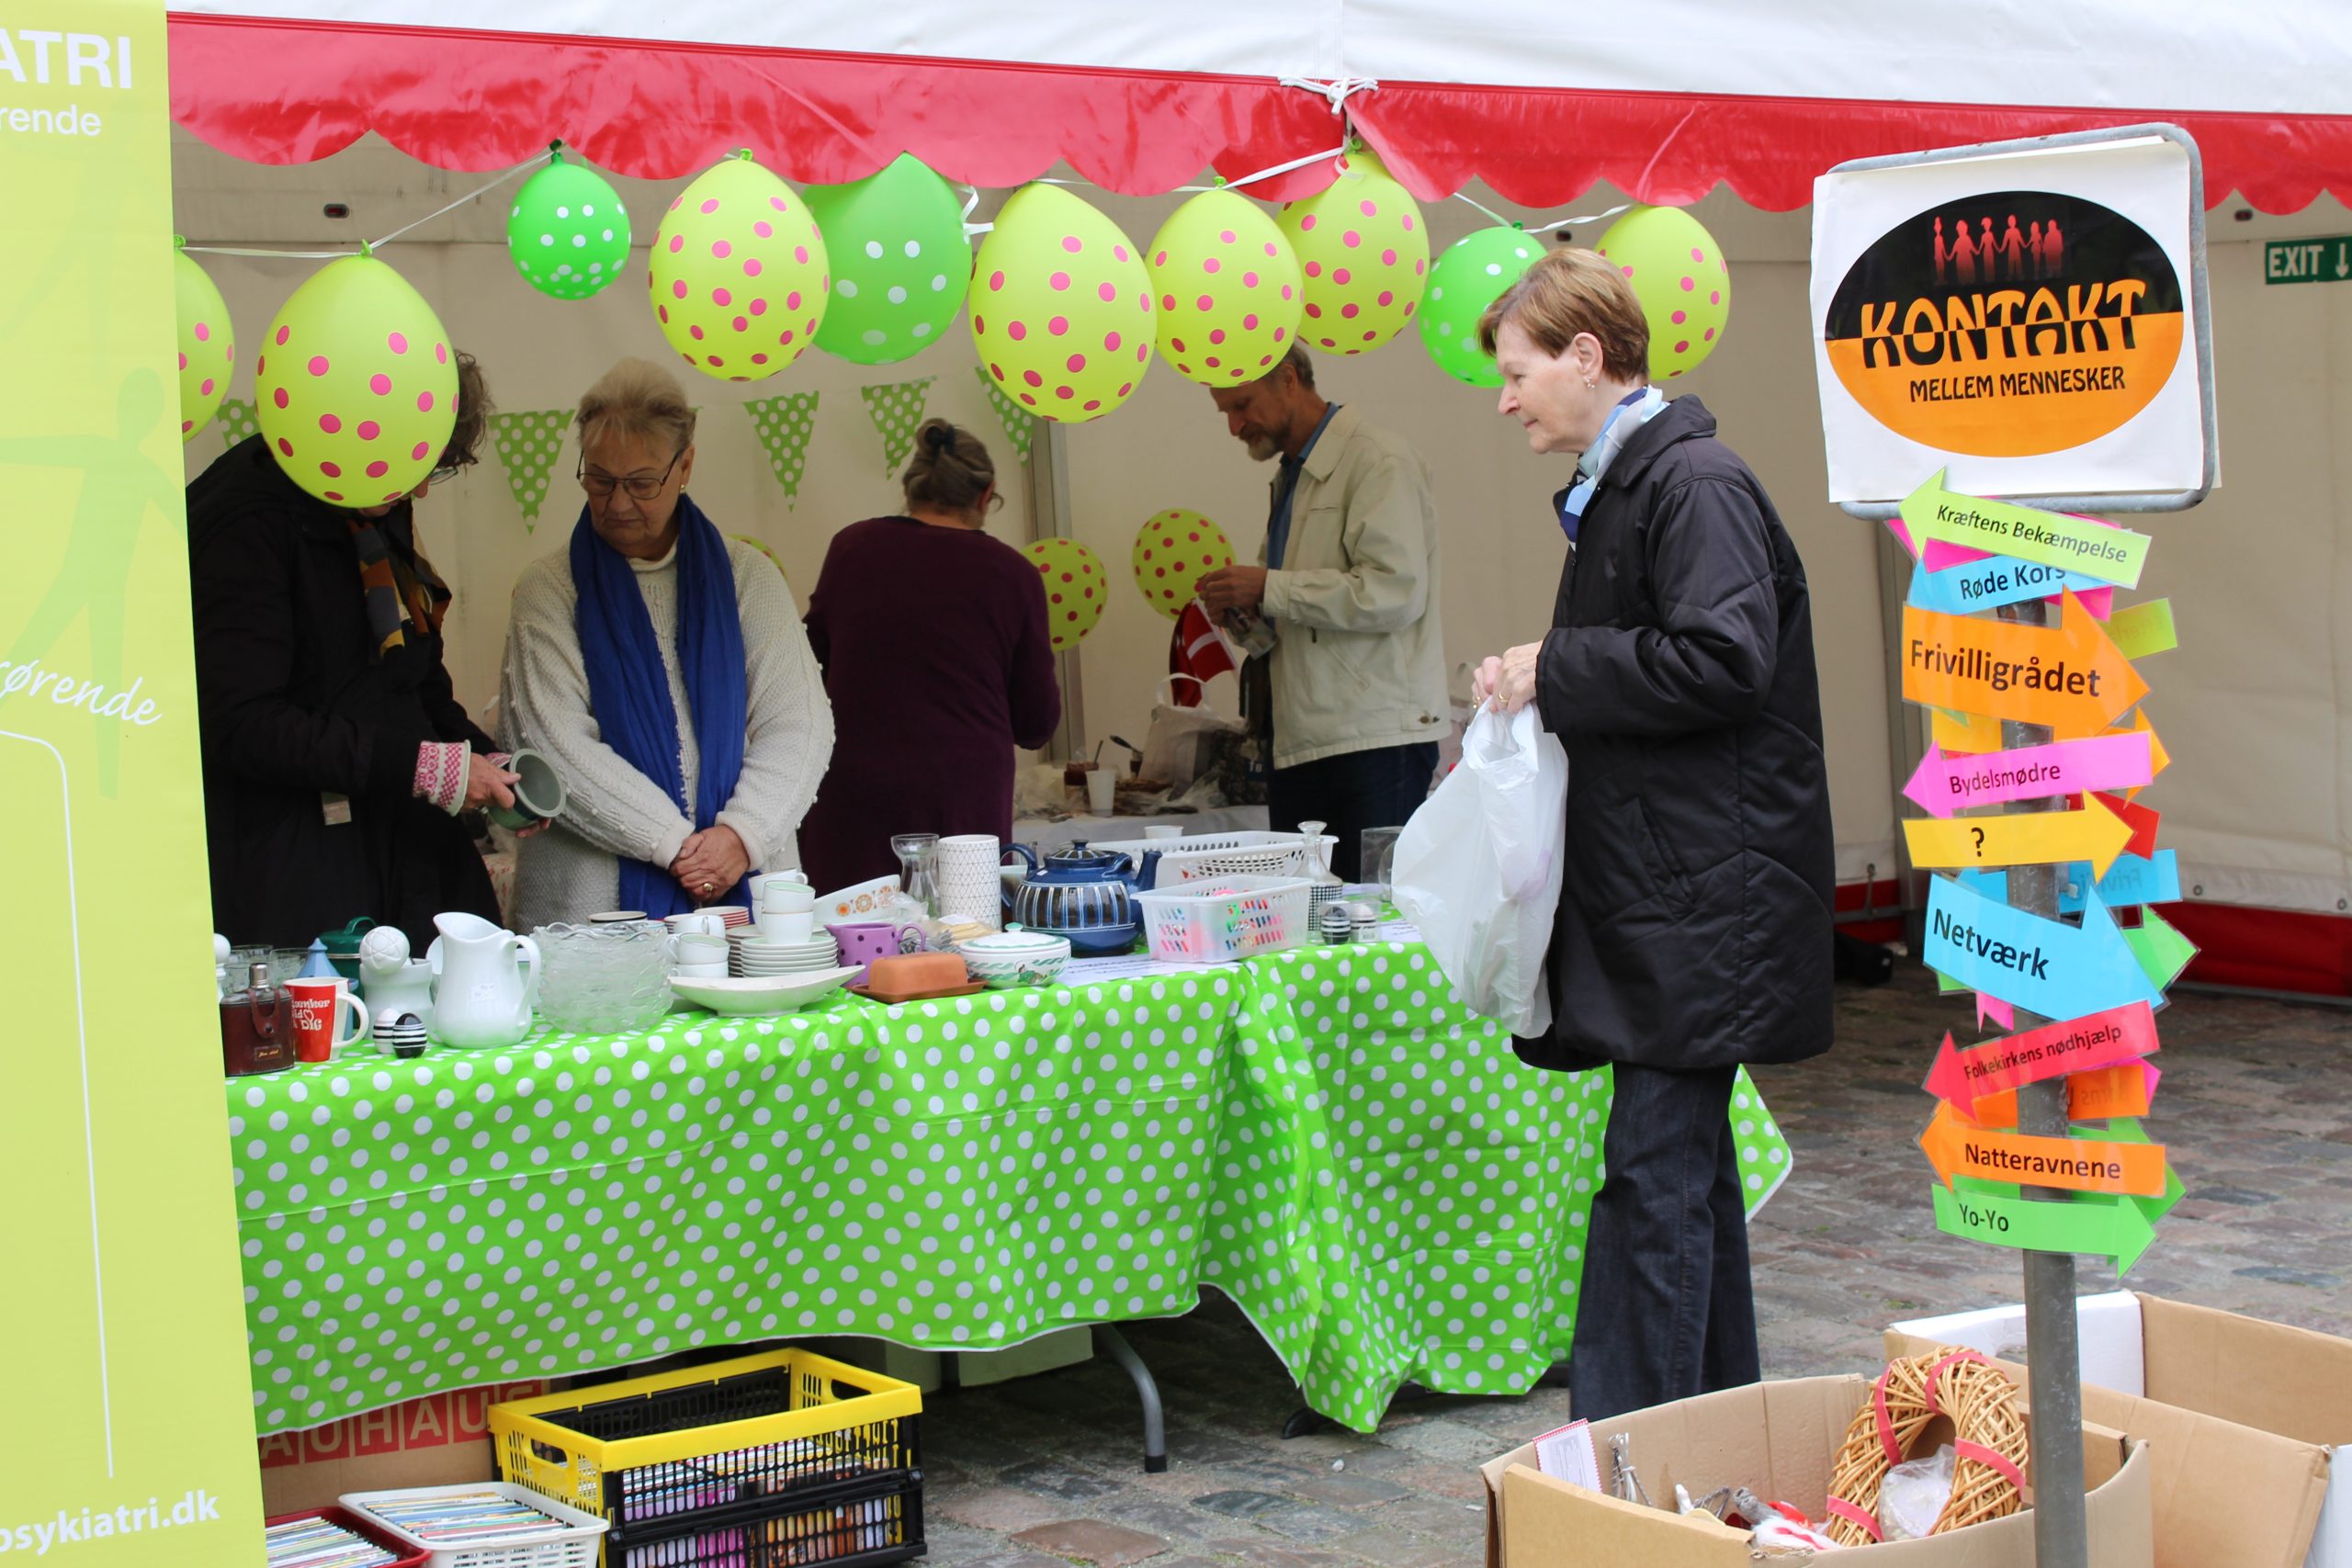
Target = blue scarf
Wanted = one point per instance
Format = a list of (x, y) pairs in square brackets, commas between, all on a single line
[(628, 691), (1635, 410)]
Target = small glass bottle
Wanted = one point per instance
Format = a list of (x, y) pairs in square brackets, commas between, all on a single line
[(1324, 887)]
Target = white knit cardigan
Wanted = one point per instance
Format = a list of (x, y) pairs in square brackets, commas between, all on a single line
[(572, 871)]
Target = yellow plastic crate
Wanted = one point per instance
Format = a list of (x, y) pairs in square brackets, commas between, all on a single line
[(786, 1456)]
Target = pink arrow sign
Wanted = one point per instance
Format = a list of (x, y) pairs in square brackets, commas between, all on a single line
[(1944, 783), (2070, 1046)]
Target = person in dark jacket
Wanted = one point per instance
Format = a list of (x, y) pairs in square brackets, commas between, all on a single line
[(335, 754), (1694, 930)]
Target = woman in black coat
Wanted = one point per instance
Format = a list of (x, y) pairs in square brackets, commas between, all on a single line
[(1694, 930), (336, 756)]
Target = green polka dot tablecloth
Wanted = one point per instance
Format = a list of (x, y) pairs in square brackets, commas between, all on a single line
[(1366, 1168)]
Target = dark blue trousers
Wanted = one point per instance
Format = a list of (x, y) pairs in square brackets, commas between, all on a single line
[(1666, 1309), (1351, 792)]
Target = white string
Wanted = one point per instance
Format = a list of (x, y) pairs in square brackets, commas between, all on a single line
[(367, 246), (1337, 90), (972, 205), (1544, 228)]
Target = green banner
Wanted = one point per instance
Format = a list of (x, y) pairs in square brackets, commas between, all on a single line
[(783, 426), (1020, 424), (237, 420), (527, 445), (896, 409), (119, 1298)]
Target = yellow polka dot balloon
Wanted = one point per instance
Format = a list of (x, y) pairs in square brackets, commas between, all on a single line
[(739, 276), (1680, 277), (355, 387), (1076, 588), (208, 346), (1228, 289), (1366, 253), (1061, 308), (1174, 550)]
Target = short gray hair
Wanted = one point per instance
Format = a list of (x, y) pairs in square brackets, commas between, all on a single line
[(637, 398)]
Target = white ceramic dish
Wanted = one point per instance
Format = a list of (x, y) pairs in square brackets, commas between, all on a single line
[(1002, 960), (756, 995)]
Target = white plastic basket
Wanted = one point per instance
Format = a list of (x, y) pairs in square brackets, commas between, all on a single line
[(571, 1543), (1201, 856), (1226, 918)]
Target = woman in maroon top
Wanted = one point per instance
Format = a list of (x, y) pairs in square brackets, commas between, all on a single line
[(936, 656)]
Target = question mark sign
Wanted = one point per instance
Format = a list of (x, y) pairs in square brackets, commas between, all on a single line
[(1979, 842)]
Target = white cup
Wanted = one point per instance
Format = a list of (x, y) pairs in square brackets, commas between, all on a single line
[(776, 925), (696, 947), (698, 923), (702, 971), (1101, 790), (1164, 833), (760, 882)]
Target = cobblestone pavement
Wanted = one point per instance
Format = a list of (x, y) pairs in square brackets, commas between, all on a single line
[(2255, 1105)]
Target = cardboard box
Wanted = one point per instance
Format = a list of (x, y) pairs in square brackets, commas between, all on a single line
[(437, 1441), (2240, 1416), (1781, 1439)]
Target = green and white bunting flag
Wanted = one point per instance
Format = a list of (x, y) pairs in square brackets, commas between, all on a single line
[(237, 420), (1020, 424), (896, 409), (783, 424), (527, 444)]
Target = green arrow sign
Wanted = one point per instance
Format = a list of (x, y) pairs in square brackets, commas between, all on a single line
[(2162, 951), (2102, 1224), (2024, 533), (2308, 261)]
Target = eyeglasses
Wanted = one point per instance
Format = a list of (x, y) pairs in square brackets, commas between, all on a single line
[(639, 486), (447, 472)]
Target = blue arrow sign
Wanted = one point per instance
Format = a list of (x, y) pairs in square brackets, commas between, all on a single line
[(2042, 965), (2130, 880), (1989, 583)]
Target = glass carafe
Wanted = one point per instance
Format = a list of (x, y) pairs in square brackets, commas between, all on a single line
[(918, 868)]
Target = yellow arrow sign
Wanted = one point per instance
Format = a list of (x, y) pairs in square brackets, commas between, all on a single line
[(2094, 833)]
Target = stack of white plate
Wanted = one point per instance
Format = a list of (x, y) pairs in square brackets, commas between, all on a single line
[(754, 957)]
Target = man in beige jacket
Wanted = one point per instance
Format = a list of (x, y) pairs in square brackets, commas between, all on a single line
[(1348, 584)]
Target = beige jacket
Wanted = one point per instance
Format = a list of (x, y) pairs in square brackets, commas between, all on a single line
[(1361, 660)]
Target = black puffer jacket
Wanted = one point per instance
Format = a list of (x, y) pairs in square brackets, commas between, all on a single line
[(294, 705), (1693, 926)]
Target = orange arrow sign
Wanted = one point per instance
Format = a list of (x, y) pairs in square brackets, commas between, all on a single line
[(2073, 679), (1957, 1146), (2126, 1088)]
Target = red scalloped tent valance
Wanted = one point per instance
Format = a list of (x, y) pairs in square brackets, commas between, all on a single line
[(289, 92)]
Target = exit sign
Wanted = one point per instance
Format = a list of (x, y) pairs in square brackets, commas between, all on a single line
[(2308, 261)]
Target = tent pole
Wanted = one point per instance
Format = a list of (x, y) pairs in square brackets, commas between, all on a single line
[(1050, 518)]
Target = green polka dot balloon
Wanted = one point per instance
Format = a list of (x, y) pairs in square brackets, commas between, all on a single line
[(568, 231), (783, 426), (238, 419), (901, 262), (1680, 277), (528, 444), (1465, 279), (357, 388), (208, 346), (1365, 252), (1174, 549), (739, 278)]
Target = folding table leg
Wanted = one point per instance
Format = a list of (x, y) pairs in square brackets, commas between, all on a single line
[(1155, 1435)]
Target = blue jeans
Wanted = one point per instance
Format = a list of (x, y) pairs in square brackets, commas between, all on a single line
[(1349, 793), (1665, 1310)]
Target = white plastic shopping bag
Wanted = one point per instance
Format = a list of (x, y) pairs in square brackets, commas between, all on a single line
[(1478, 867)]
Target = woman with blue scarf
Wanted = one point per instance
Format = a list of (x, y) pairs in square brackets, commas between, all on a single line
[(662, 668)]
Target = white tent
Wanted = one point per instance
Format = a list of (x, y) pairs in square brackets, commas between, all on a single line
[(1535, 110)]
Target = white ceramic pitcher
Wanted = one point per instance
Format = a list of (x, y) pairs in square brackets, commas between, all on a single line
[(482, 996)]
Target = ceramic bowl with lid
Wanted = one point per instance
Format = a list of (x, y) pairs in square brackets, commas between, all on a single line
[(1016, 957)]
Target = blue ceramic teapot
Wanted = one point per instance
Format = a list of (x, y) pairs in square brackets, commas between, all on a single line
[(1084, 895)]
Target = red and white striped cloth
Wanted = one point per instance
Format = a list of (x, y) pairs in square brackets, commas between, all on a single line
[(1198, 648)]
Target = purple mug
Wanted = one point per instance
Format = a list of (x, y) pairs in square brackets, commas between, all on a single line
[(863, 942)]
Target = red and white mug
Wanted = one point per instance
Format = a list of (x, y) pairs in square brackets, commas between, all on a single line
[(318, 1018)]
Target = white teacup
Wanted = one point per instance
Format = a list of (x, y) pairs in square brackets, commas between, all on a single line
[(696, 947), (700, 922), (702, 971), (780, 926)]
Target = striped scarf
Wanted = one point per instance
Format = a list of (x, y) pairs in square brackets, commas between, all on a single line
[(405, 596)]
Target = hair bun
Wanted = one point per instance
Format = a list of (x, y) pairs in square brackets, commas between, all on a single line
[(939, 437)]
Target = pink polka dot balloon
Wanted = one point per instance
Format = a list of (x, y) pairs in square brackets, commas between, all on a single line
[(1076, 588), (740, 277), (207, 349), (1174, 550), (355, 385), (1228, 289), (1061, 308), (1680, 277), (1366, 253)]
